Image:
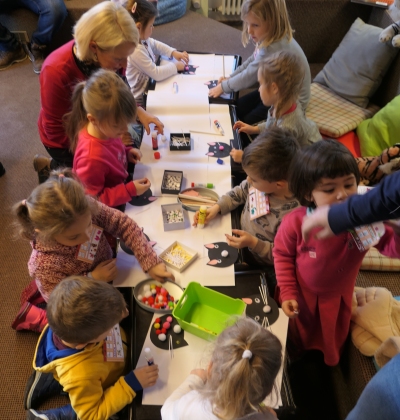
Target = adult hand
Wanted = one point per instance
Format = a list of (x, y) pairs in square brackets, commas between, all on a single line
[(222, 78), (216, 91), (210, 214), (106, 271), (146, 119), (201, 373), (134, 155), (242, 240), (237, 155), (147, 375), (160, 273), (181, 56), (291, 308), (319, 218), (141, 185), (246, 128)]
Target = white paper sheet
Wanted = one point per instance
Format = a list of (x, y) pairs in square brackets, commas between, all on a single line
[(172, 372)]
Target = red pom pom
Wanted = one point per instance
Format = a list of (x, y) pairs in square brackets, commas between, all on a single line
[(171, 298), (164, 331), (158, 332), (144, 300), (158, 288), (158, 320), (151, 300)]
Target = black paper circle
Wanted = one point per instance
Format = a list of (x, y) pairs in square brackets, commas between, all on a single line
[(178, 340), (255, 309)]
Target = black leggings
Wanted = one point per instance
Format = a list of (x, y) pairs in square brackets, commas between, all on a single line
[(250, 108)]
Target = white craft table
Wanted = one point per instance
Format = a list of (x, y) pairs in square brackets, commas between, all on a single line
[(184, 111)]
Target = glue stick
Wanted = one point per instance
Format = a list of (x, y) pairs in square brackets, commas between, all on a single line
[(154, 140), (148, 356), (202, 217)]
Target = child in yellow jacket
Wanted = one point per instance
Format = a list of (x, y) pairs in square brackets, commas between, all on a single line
[(81, 312)]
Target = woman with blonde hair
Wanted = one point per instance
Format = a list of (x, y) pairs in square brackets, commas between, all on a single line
[(104, 37)]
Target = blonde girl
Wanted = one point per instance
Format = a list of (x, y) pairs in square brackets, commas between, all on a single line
[(102, 107), (142, 62), (66, 230), (281, 78), (266, 24), (240, 375)]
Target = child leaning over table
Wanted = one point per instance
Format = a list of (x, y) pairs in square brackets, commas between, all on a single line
[(266, 162), (81, 312)]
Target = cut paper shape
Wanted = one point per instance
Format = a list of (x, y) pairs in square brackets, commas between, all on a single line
[(189, 69), (247, 301), (178, 340), (214, 150), (144, 199), (211, 84), (214, 253), (255, 310)]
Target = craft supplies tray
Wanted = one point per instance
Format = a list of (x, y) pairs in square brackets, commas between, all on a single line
[(172, 182), (180, 142), (173, 217), (139, 292), (178, 256), (191, 205), (205, 312)]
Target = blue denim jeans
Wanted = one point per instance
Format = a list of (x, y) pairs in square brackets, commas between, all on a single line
[(63, 413), (52, 14)]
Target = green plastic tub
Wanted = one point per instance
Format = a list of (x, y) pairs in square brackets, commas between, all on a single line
[(205, 312)]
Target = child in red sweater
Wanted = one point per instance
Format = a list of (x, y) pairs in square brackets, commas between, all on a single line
[(66, 229), (102, 108), (316, 278)]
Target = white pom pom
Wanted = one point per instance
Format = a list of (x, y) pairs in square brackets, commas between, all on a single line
[(177, 329), (163, 138), (140, 297), (162, 337), (224, 253), (146, 287), (148, 294), (267, 309)]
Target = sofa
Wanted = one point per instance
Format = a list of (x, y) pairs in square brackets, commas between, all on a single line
[(319, 25)]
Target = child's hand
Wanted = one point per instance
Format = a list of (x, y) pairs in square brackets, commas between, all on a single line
[(127, 139), (318, 218), (146, 119), (180, 65), (211, 214), (237, 155), (222, 78), (244, 240), (106, 271), (141, 185), (160, 273), (134, 155), (201, 373), (181, 56), (291, 308), (246, 128), (147, 375), (216, 91)]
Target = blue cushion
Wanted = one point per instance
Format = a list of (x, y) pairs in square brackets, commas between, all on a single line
[(169, 10)]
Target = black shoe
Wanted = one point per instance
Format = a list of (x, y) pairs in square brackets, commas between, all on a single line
[(2, 170), (39, 387), (42, 167), (36, 55), (8, 58)]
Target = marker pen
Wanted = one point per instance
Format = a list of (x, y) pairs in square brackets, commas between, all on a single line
[(219, 127), (208, 185), (148, 356)]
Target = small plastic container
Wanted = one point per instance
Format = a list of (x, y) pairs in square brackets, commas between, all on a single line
[(184, 137), (191, 253), (205, 312), (167, 208), (169, 187)]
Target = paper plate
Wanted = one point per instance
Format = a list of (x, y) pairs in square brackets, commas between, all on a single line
[(172, 288), (205, 192)]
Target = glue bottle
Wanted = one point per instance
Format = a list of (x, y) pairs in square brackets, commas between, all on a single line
[(148, 356), (154, 140), (202, 217)]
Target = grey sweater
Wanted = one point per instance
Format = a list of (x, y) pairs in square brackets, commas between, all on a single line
[(305, 131), (245, 76), (265, 227)]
